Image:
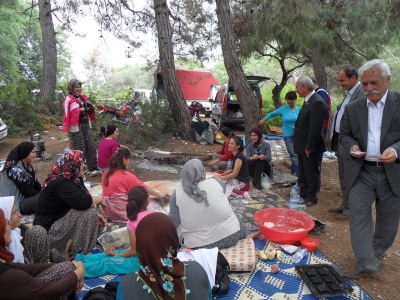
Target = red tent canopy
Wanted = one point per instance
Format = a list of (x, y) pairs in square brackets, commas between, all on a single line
[(195, 84)]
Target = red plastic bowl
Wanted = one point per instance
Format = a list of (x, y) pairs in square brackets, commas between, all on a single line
[(309, 243), (285, 220)]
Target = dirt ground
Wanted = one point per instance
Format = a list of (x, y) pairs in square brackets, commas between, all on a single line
[(335, 242)]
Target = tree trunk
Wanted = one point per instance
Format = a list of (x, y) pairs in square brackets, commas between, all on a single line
[(249, 103), (319, 68), (174, 93), (49, 51), (276, 94)]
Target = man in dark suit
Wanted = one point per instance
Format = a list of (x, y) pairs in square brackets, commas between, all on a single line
[(348, 80), (308, 139), (370, 133)]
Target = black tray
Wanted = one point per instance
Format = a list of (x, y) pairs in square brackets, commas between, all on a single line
[(323, 281)]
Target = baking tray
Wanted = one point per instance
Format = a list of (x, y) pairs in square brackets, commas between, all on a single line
[(323, 281)]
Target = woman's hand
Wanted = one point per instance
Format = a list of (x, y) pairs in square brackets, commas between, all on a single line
[(80, 285), (103, 204), (213, 162), (209, 154), (227, 172), (161, 195), (79, 271), (110, 252), (100, 220)]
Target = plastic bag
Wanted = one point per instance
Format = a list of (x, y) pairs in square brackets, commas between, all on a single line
[(265, 181), (230, 186)]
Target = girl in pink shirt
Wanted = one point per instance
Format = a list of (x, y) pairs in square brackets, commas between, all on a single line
[(120, 261)]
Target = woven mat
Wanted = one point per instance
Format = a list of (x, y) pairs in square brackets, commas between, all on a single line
[(286, 284), (260, 283)]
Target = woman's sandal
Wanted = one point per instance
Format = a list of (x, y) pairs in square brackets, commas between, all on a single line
[(69, 253)]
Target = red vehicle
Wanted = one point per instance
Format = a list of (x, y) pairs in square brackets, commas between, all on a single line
[(126, 114)]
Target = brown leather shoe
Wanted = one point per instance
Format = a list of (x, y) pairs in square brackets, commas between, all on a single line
[(342, 217), (358, 273)]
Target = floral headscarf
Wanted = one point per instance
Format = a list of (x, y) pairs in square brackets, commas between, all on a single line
[(5, 255), (162, 273), (67, 166), (19, 152)]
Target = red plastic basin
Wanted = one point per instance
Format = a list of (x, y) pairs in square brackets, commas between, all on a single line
[(286, 221)]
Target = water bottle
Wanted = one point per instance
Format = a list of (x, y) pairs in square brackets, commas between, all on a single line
[(299, 255), (294, 194), (229, 165)]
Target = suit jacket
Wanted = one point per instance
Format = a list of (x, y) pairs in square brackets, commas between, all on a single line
[(355, 132), (308, 130)]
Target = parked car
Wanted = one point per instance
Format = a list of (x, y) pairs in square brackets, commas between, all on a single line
[(226, 108), (3, 129)]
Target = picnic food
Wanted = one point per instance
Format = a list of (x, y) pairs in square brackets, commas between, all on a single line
[(270, 253), (261, 255), (279, 255), (274, 268), (269, 224)]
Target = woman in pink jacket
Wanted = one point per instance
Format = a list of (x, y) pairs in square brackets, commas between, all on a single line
[(78, 114)]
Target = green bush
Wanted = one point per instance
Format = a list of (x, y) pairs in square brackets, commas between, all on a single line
[(155, 128)]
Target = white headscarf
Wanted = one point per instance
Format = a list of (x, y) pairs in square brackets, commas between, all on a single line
[(15, 247)]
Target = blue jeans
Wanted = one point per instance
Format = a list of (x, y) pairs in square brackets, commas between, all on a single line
[(293, 156)]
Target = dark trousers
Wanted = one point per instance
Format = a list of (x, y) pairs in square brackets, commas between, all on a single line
[(256, 168), (309, 173), (28, 205)]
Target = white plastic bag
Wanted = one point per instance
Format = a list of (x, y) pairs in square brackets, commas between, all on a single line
[(265, 181), (230, 186)]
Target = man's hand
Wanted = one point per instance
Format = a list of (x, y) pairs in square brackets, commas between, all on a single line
[(307, 152), (262, 157), (388, 156), (355, 152), (255, 157)]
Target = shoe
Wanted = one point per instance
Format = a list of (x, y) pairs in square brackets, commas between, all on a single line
[(336, 210), (95, 173), (246, 196), (54, 255), (342, 217), (258, 187), (380, 261), (69, 254), (358, 273), (307, 202)]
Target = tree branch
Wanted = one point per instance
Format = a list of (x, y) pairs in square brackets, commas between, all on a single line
[(347, 45)]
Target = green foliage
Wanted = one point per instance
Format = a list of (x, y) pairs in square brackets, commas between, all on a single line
[(18, 108), (155, 128)]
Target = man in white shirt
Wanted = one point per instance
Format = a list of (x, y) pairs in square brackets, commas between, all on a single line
[(348, 81), (370, 134)]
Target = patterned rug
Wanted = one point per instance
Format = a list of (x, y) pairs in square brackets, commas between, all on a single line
[(285, 285)]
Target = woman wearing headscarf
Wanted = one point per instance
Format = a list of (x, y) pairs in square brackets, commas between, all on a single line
[(201, 211), (258, 154), (117, 181), (35, 281), (20, 179), (162, 275), (66, 209), (78, 114), (13, 215), (220, 158)]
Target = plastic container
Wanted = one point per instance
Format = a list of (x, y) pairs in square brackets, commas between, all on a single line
[(229, 165), (285, 221), (295, 205), (309, 243), (299, 255), (294, 194)]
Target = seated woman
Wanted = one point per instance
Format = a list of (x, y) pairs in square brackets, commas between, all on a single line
[(108, 145), (20, 180), (258, 154), (162, 275), (120, 261), (240, 170), (201, 212), (220, 158), (66, 209), (117, 182), (12, 214), (36, 281)]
